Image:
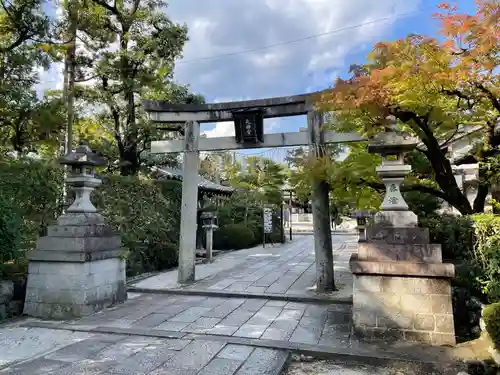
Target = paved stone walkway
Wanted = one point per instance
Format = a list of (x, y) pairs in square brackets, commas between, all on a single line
[(271, 271), (235, 329)]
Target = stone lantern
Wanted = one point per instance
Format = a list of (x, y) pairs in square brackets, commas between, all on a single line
[(78, 268), (392, 147), (361, 218), (209, 221), (81, 178)]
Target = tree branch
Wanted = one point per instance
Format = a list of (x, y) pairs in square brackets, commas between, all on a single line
[(450, 138), (460, 95), (405, 188), (112, 8), (86, 79), (494, 100)]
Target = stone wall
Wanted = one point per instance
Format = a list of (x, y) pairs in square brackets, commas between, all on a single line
[(11, 298), (404, 308)]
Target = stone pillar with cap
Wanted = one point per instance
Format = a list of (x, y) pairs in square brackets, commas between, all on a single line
[(78, 268), (402, 289), (209, 220), (361, 219)]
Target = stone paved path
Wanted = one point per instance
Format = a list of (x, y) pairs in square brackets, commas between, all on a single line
[(235, 330), (288, 270)]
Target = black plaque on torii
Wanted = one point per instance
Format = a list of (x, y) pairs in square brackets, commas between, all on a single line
[(249, 126)]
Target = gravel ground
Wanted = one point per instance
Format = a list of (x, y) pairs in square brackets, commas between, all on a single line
[(301, 366)]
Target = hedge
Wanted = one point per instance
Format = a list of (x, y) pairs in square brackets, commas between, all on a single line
[(145, 212), (486, 254), (147, 215), (234, 237), (472, 243), (33, 188), (242, 210), (10, 235), (491, 316)]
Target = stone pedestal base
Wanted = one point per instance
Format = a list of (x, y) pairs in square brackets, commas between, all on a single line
[(76, 270), (403, 219), (402, 290), (403, 308), (68, 290)]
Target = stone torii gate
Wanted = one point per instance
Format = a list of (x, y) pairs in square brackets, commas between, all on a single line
[(248, 117)]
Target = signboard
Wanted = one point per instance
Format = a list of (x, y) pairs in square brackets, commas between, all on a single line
[(268, 220), (249, 127)]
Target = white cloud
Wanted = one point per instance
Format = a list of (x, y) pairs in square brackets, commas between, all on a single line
[(218, 27), (222, 129), (228, 27), (226, 129)]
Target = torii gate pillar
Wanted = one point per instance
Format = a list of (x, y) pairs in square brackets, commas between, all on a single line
[(189, 205)]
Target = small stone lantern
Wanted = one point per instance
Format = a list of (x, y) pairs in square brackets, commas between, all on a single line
[(361, 217), (81, 177), (209, 220), (392, 147)]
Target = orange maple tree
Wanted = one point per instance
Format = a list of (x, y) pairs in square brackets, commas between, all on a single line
[(436, 89)]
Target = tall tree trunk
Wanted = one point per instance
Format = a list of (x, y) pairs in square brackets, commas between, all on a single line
[(485, 183), (69, 79), (482, 192), (69, 91), (129, 160), (444, 176)]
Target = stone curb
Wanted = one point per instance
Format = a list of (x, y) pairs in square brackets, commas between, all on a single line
[(363, 356), (228, 294), (281, 365)]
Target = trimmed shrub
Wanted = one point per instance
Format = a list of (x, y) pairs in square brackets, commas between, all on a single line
[(454, 233), (147, 215), (242, 208), (234, 237), (486, 254), (472, 243), (424, 205), (10, 235), (491, 316), (33, 187)]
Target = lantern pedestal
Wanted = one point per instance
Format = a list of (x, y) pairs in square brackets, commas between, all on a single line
[(78, 267)]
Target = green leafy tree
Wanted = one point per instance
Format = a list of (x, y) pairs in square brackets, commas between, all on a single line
[(264, 178), (26, 122), (147, 44), (21, 22)]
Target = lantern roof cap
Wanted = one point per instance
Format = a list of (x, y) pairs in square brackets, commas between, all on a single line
[(82, 155), (208, 215), (392, 141)]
